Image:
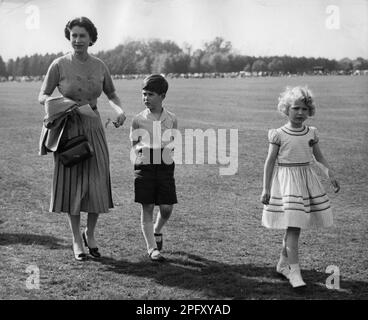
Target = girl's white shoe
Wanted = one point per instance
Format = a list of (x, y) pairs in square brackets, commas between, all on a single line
[(283, 266), (295, 279), (284, 270)]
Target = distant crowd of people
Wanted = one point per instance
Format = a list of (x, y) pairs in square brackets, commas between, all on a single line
[(207, 75)]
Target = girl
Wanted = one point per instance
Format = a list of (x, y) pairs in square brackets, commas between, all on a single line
[(293, 196)]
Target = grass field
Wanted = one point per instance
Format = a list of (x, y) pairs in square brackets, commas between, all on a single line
[(216, 246)]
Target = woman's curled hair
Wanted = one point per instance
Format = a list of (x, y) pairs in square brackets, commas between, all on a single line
[(84, 23)]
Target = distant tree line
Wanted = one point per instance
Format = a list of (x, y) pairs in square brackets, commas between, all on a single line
[(157, 56)]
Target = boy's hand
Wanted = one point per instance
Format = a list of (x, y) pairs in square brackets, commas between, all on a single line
[(265, 197)]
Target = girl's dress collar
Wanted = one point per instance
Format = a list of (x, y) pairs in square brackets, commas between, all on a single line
[(295, 131)]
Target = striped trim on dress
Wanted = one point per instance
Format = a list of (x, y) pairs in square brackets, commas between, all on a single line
[(307, 205), (302, 164), (295, 133)]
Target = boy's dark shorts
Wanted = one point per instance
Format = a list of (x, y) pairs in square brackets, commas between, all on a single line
[(154, 183)]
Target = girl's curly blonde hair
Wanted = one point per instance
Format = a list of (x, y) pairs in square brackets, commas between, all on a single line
[(293, 94)]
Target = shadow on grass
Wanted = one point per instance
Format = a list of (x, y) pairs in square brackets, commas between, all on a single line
[(30, 239), (218, 280)]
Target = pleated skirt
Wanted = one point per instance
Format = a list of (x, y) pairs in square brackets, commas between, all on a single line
[(298, 199), (84, 187)]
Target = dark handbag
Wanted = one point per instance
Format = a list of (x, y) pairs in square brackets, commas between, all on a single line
[(75, 150)]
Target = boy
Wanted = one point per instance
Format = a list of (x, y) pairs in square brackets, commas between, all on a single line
[(154, 182)]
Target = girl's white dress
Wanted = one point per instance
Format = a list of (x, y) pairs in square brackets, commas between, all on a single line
[(298, 198)]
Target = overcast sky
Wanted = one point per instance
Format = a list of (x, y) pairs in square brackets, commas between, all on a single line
[(311, 28)]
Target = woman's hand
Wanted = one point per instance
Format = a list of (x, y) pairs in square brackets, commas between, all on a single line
[(115, 103), (120, 119), (265, 197)]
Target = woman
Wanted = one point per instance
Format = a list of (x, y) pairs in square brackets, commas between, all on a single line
[(86, 186)]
